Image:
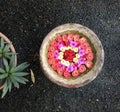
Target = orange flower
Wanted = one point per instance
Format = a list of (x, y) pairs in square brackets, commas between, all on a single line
[(70, 36), (60, 71), (52, 61), (53, 42), (66, 74), (85, 45), (90, 56), (50, 54), (88, 50), (82, 40), (64, 37), (76, 37), (59, 38), (54, 66), (49, 61), (89, 63), (82, 68), (51, 48), (75, 73)]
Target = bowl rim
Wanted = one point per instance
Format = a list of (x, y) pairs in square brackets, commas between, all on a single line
[(80, 81)]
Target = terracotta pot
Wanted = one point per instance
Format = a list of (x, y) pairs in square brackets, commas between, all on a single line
[(11, 48), (81, 80)]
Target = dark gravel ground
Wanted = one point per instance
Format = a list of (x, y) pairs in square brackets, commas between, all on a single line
[(26, 22)]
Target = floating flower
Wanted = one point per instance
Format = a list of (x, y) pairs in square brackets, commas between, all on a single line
[(67, 74), (75, 73), (51, 54), (82, 68), (88, 50), (60, 57), (53, 42), (82, 60), (83, 40), (52, 61), (75, 59), (63, 62), (70, 36), (49, 61), (70, 68), (88, 63), (75, 49), (77, 56), (54, 66), (60, 44), (56, 54), (85, 45), (73, 66), (67, 63), (66, 43), (60, 71), (69, 55), (76, 37), (59, 39), (61, 65), (64, 37), (79, 48), (90, 56), (62, 49), (81, 52), (73, 43), (52, 49)]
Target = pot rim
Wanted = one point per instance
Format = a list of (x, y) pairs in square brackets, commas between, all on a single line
[(80, 81), (11, 48)]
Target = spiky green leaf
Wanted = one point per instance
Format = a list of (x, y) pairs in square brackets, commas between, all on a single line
[(15, 83), (9, 84), (3, 76), (11, 53), (12, 60), (12, 69), (5, 89), (7, 56), (5, 62), (21, 67), (20, 74), (0, 50), (21, 80), (2, 70), (7, 47)]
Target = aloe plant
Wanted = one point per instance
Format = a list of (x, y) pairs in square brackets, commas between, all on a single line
[(10, 74), (5, 49)]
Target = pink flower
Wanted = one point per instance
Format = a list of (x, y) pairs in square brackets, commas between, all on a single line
[(78, 63), (81, 61), (79, 48), (73, 43), (81, 52), (56, 54), (60, 44), (70, 69), (62, 66)]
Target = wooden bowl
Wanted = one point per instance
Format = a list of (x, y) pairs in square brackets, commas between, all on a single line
[(81, 80)]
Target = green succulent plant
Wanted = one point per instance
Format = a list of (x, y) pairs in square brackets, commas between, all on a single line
[(10, 75), (5, 49)]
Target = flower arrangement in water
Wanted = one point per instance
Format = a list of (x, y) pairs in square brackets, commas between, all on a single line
[(70, 55)]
